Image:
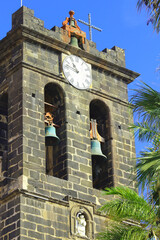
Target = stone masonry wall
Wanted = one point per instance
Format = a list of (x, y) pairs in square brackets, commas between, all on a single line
[(78, 142), (26, 218), (10, 218)]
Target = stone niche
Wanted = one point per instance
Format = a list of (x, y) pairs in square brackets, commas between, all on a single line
[(81, 221)]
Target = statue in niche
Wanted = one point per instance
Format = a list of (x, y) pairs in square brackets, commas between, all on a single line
[(81, 224)]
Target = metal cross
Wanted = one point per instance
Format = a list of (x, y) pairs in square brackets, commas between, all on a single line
[(90, 26)]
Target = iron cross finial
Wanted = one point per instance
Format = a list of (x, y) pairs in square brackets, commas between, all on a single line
[(90, 26)]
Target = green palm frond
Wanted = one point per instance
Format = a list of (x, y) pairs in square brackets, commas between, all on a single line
[(153, 7), (148, 167), (129, 205), (131, 216), (146, 103), (154, 195), (123, 232), (144, 131)]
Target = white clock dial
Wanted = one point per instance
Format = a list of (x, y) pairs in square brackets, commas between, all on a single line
[(77, 72)]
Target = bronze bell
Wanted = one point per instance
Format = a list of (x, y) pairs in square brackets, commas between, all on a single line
[(96, 151), (74, 41), (51, 138), (96, 140)]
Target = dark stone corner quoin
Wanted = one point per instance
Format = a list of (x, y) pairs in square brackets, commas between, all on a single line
[(46, 190)]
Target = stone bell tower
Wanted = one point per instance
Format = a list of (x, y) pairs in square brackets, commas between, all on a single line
[(64, 130)]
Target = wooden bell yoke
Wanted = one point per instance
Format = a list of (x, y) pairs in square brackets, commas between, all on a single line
[(94, 132)]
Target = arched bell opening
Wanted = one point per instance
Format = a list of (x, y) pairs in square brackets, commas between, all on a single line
[(3, 133), (102, 170), (55, 131)]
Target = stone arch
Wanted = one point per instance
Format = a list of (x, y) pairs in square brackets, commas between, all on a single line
[(102, 169), (89, 232), (56, 157)]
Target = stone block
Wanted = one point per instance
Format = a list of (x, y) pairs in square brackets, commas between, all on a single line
[(62, 234), (85, 169), (14, 234), (79, 145), (12, 219), (35, 235), (28, 225), (79, 188), (43, 229)]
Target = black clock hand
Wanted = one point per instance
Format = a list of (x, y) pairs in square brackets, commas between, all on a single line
[(75, 67), (75, 70)]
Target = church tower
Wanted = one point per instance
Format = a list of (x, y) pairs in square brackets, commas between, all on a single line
[(63, 130)]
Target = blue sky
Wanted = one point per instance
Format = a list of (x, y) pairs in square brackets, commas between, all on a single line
[(122, 25)]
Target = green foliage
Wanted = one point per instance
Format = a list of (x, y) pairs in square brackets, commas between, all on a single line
[(148, 167), (153, 7), (129, 205), (146, 104), (143, 131), (133, 217), (123, 232)]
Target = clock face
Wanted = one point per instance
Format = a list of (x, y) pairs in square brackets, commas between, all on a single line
[(77, 72)]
